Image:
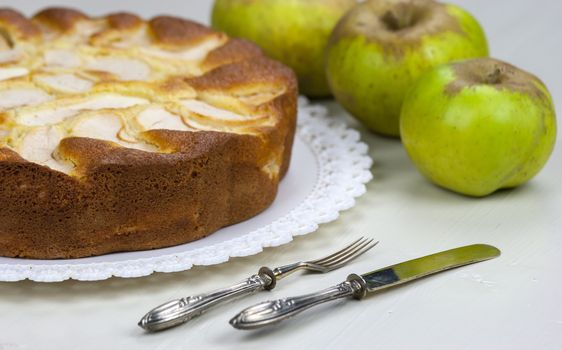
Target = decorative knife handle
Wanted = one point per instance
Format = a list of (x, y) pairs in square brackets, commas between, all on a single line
[(269, 312), (179, 311)]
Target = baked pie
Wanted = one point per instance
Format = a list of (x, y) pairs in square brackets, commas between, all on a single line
[(120, 134)]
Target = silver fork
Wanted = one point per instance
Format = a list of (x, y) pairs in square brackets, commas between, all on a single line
[(178, 311)]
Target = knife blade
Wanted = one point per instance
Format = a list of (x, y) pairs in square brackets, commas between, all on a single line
[(359, 286)]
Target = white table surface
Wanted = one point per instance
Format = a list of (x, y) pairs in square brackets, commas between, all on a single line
[(514, 302)]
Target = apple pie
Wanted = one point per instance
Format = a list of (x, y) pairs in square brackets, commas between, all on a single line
[(124, 134)]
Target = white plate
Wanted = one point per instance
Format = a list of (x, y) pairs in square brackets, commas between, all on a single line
[(328, 170)]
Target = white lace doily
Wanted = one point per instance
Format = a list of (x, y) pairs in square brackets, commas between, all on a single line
[(329, 169)]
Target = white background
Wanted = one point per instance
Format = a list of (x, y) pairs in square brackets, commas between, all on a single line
[(513, 302)]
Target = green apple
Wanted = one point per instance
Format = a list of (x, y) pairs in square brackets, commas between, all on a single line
[(478, 125), (294, 32), (380, 47)]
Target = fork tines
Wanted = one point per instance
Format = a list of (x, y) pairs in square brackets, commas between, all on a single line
[(348, 253)]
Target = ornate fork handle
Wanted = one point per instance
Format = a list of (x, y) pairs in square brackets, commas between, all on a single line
[(178, 311), (278, 310)]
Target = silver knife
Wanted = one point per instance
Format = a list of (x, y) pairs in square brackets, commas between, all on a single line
[(358, 286)]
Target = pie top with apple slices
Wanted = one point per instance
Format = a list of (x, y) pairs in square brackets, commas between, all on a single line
[(120, 134)]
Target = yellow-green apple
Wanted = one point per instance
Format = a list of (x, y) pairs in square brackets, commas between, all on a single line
[(294, 32), (380, 47), (478, 125)]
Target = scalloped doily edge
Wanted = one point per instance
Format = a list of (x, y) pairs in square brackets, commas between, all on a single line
[(344, 169)]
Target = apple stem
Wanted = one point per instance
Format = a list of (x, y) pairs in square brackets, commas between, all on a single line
[(399, 17), (494, 77)]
